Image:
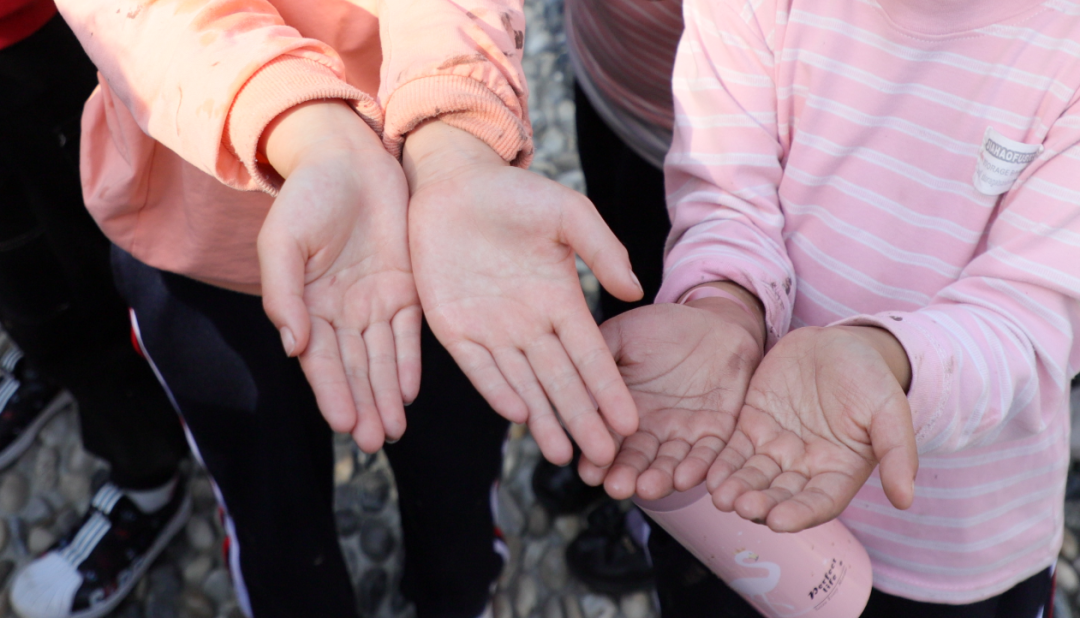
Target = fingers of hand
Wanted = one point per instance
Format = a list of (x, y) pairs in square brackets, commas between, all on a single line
[(659, 480), (383, 375), (479, 366), (565, 389), (322, 365), (368, 429), (635, 456), (892, 436), (543, 424), (588, 235), (592, 359), (282, 273), (822, 498), (694, 468), (406, 326)]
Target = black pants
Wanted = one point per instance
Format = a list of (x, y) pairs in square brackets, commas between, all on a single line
[(57, 299), (629, 193), (259, 432)]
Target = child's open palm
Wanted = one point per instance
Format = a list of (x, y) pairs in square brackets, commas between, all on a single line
[(823, 409)]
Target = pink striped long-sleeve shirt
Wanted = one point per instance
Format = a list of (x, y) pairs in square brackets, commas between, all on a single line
[(843, 160)]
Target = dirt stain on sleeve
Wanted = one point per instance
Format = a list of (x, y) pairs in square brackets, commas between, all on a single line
[(462, 59)]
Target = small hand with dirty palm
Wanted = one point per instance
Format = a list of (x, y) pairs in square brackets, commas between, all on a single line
[(336, 278), (824, 408), (687, 368)]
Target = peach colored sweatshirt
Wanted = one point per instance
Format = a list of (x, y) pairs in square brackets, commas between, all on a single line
[(169, 165)]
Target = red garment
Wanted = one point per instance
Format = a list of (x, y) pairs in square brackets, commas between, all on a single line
[(21, 18)]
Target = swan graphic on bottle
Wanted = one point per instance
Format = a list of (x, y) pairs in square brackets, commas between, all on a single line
[(821, 572)]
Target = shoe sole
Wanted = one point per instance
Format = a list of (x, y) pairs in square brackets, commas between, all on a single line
[(175, 524), (23, 442)]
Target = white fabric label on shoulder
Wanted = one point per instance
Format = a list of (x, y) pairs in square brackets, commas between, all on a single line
[(1001, 160)]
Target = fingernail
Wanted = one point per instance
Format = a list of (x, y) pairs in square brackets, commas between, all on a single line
[(392, 440), (636, 281), (287, 340)]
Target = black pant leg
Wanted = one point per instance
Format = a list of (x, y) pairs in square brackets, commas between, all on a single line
[(628, 192), (444, 466), (259, 432), (57, 298)]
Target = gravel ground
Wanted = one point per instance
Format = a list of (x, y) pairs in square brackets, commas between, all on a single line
[(44, 494)]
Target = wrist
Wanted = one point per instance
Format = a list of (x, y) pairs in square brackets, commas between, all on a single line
[(889, 347), (732, 301), (316, 131), (435, 151)]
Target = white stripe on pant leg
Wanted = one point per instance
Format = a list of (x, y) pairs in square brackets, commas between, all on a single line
[(239, 586)]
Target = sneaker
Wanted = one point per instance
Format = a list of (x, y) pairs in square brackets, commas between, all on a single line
[(28, 400), (88, 572), (606, 556)]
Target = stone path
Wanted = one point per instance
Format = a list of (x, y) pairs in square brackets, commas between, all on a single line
[(43, 495)]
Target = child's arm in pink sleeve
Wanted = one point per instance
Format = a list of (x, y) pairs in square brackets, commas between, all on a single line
[(992, 355), (723, 170), (459, 63), (181, 68)]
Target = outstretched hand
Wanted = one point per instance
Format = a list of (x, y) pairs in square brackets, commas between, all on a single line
[(493, 251), (336, 278), (687, 368), (824, 408)]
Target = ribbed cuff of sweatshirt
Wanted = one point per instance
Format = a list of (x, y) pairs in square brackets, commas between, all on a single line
[(463, 103), (284, 83), (930, 368)]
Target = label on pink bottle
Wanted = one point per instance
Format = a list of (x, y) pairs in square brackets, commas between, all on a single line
[(822, 572)]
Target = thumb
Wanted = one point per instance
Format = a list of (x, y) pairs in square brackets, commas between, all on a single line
[(589, 237), (281, 268), (892, 436)]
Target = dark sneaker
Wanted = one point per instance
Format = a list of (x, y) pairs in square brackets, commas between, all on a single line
[(606, 556), (27, 401), (87, 573)]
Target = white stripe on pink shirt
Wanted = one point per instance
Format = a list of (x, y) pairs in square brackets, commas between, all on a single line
[(823, 157)]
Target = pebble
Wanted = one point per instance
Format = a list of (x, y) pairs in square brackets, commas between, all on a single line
[(568, 527), (511, 568), (6, 567), (636, 605), (553, 608), (553, 570), (344, 468), (526, 596), (202, 494), (163, 597), (3, 535), (509, 515), (65, 521), (218, 586), (194, 604), (374, 489), (76, 488), (1070, 549), (539, 520), (1067, 579), (534, 552), (58, 431), (46, 466), (1062, 607), (501, 606), (348, 522), (572, 606), (371, 590), (39, 540), (18, 535), (37, 511), (200, 534), (598, 606), (377, 540), (14, 492), (79, 460), (196, 571)]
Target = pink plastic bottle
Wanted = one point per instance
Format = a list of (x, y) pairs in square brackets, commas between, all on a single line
[(822, 572)]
